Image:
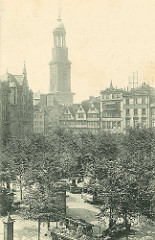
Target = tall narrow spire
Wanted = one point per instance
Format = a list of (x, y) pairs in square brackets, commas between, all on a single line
[(24, 68), (111, 86), (25, 82), (59, 15)]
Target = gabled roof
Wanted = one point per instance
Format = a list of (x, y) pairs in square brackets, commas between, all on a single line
[(18, 79), (85, 105), (73, 108), (96, 106), (67, 109)]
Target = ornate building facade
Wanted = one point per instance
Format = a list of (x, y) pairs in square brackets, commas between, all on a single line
[(139, 107), (82, 117), (111, 107), (119, 111), (16, 106)]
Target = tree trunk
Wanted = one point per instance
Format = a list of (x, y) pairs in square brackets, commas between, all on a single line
[(126, 225), (8, 185), (38, 228), (48, 224), (110, 219)]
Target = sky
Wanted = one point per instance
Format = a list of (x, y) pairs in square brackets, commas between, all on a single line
[(107, 40)]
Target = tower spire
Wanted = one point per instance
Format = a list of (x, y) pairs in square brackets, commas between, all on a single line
[(25, 82), (111, 85), (59, 15), (24, 68)]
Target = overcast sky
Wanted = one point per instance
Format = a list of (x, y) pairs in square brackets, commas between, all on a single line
[(107, 39)]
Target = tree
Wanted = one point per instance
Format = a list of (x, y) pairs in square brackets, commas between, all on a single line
[(6, 170), (18, 152), (139, 149), (45, 196), (5, 201)]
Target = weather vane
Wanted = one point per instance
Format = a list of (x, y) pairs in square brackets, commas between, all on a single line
[(59, 9)]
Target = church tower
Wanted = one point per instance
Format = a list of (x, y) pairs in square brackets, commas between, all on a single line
[(60, 67)]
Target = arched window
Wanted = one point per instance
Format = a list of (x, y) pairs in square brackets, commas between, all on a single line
[(13, 96)]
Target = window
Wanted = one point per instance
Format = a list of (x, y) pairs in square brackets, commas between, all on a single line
[(135, 100), (153, 123), (144, 123), (144, 111), (13, 96), (97, 124), (127, 123), (135, 111), (80, 115), (153, 111), (143, 100), (135, 122), (103, 96), (108, 125), (92, 108), (104, 125), (107, 96), (152, 100), (113, 96), (127, 101), (127, 112), (118, 124), (113, 124)]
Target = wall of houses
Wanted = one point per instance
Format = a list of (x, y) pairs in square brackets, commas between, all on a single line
[(116, 111)]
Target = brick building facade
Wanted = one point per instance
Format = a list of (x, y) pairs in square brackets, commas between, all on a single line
[(16, 106)]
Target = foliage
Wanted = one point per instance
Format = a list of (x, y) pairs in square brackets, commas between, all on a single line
[(5, 201), (121, 168)]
